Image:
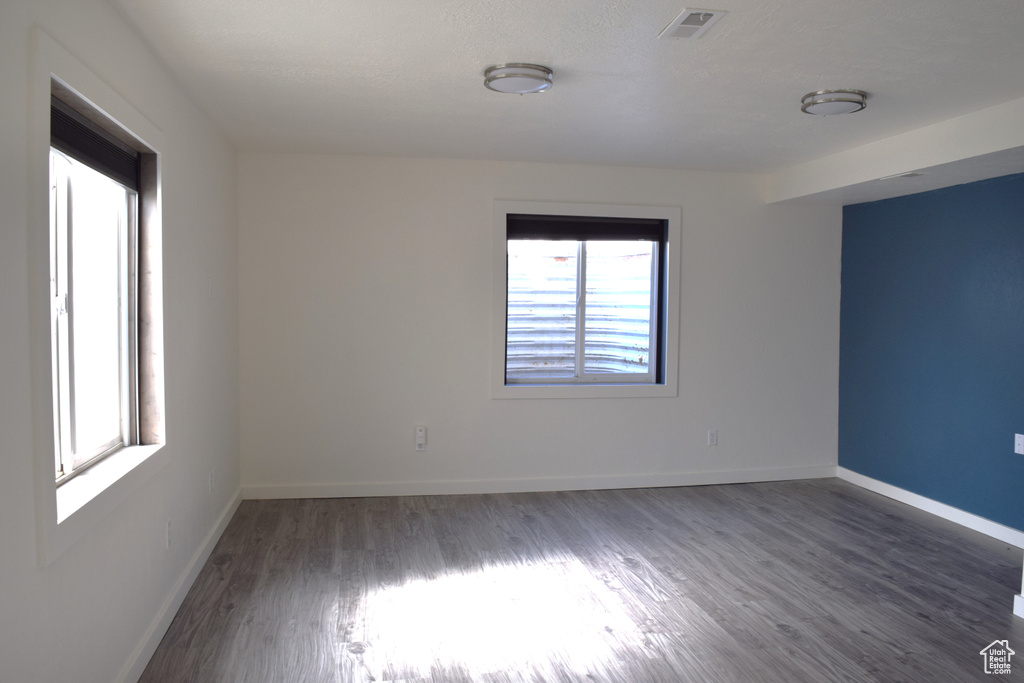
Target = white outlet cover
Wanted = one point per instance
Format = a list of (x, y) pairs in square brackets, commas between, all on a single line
[(1018, 444)]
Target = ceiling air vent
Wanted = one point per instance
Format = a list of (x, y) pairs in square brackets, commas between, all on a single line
[(692, 23)]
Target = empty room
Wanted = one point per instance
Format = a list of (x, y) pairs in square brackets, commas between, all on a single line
[(517, 341)]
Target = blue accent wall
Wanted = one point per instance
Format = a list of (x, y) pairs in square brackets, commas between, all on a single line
[(931, 355)]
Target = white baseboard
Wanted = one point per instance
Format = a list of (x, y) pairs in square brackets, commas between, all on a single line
[(136, 664), (625, 481), (971, 521)]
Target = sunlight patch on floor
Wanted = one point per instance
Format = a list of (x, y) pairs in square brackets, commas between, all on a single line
[(499, 619)]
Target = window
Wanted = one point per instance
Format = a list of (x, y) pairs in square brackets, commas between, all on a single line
[(94, 219), (99, 303), (585, 300), (582, 302), (76, 119)]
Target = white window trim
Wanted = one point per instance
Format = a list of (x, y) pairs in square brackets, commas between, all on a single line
[(65, 514), (670, 333)]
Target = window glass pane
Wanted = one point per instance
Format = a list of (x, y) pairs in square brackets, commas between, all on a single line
[(618, 307), (97, 214), (541, 337)]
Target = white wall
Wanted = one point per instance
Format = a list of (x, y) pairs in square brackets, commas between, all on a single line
[(91, 613), (366, 309)]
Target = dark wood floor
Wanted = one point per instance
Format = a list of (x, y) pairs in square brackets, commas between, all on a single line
[(792, 581)]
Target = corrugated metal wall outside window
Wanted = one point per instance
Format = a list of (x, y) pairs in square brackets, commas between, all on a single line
[(543, 318)]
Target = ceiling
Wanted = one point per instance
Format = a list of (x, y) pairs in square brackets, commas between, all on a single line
[(405, 77)]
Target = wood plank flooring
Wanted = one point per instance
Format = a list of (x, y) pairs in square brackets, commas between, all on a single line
[(813, 580)]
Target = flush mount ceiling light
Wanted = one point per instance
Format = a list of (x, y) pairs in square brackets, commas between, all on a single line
[(517, 79), (831, 102)]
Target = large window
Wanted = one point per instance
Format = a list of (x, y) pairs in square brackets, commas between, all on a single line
[(95, 289), (585, 300), (98, 299)]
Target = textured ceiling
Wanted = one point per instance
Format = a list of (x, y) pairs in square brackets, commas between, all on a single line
[(404, 77)]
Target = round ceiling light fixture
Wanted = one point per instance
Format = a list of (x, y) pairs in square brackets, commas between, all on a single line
[(831, 102), (517, 79)]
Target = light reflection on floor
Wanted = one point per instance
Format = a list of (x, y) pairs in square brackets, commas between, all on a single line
[(500, 619)]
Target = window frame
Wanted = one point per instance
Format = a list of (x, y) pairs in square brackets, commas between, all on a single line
[(665, 382), (70, 461)]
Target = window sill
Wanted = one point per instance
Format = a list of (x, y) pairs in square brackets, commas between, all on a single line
[(76, 494), (584, 391)]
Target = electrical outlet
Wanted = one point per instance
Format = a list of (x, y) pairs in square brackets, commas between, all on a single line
[(712, 437), (421, 438), (1018, 444)]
